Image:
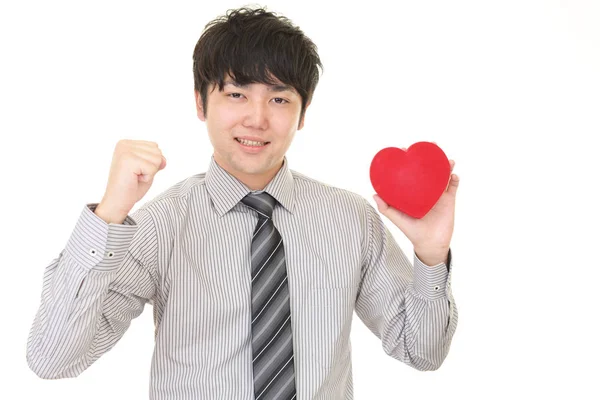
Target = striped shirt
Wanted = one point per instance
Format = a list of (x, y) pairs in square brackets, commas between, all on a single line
[(187, 253)]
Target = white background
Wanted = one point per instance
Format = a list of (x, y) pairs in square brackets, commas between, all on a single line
[(510, 90)]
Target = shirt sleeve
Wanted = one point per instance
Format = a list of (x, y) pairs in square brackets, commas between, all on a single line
[(411, 309), (100, 281)]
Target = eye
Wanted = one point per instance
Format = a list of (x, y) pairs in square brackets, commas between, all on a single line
[(234, 95), (279, 100)]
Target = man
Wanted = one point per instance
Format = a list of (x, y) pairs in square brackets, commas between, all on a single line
[(253, 270)]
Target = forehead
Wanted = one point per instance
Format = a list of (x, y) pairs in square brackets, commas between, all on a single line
[(278, 86)]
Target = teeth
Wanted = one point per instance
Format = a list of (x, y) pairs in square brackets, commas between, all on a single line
[(251, 142)]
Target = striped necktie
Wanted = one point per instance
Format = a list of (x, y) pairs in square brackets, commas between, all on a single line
[(272, 345)]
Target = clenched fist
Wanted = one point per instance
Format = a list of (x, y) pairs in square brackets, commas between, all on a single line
[(134, 164)]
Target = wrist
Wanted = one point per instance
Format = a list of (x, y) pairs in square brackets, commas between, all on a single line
[(432, 256), (109, 215)]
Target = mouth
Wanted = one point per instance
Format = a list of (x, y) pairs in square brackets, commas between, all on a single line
[(252, 146), (251, 143)]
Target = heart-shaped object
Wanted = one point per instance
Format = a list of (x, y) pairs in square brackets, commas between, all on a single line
[(411, 181)]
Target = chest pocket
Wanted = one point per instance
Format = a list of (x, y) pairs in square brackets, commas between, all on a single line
[(323, 262)]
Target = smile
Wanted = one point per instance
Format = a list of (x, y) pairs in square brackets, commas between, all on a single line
[(251, 143), (252, 147)]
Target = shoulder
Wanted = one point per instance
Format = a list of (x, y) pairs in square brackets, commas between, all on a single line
[(173, 196), (321, 194)]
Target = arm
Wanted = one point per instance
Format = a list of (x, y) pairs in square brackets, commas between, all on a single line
[(411, 310), (91, 292)]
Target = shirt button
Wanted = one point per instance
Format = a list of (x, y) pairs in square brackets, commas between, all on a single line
[(110, 254), (93, 252), (436, 288)]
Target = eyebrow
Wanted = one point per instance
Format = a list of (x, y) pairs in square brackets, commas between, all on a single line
[(271, 88)]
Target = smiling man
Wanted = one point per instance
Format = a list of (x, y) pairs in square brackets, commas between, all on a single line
[(254, 270)]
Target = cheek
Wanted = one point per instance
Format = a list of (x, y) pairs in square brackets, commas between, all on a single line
[(285, 123), (221, 120)]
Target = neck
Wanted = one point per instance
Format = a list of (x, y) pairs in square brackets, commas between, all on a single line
[(252, 181)]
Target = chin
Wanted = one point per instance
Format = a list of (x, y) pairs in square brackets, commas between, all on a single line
[(246, 167)]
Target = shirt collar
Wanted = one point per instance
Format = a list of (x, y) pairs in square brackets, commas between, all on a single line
[(226, 191)]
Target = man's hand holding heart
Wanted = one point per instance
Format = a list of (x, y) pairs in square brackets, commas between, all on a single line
[(431, 234)]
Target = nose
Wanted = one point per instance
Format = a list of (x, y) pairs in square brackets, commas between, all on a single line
[(256, 115)]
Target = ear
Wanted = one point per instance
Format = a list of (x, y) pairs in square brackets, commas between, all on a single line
[(301, 124), (199, 109)]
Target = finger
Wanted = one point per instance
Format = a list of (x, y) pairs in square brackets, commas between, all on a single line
[(153, 158), (452, 163), (146, 142), (453, 184), (397, 217), (146, 146)]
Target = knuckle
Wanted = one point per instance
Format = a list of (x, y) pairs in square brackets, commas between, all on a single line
[(156, 162)]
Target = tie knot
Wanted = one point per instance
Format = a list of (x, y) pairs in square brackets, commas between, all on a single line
[(263, 203)]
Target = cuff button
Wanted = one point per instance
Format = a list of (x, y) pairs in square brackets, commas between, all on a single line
[(110, 253), (436, 288), (93, 252)]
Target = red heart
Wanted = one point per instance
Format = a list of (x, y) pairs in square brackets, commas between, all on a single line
[(411, 181)]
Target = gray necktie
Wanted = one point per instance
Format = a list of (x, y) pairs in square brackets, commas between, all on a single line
[(272, 345)]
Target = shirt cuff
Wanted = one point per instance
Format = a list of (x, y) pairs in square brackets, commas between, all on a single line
[(97, 244), (430, 281)]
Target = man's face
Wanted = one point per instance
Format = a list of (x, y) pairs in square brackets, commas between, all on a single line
[(258, 112)]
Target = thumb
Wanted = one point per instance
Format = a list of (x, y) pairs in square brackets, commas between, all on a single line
[(397, 217), (144, 178), (163, 164), (381, 205)]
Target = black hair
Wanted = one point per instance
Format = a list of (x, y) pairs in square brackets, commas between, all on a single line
[(253, 46)]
